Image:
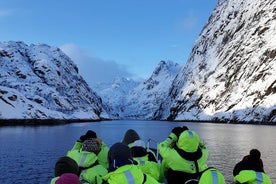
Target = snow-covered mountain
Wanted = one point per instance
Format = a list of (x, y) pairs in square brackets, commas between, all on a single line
[(230, 74), (114, 94), (132, 100), (41, 82)]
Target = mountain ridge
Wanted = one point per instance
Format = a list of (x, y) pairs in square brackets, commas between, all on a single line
[(139, 99), (230, 67), (229, 77), (41, 82)]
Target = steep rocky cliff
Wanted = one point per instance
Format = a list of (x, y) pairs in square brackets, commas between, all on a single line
[(230, 74), (41, 82)]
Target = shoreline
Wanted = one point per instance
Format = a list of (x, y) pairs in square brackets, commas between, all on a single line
[(48, 122), (229, 122), (41, 122)]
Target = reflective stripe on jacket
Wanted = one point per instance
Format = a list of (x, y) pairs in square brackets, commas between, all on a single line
[(129, 174), (102, 155), (172, 160), (90, 170), (252, 177), (149, 167), (212, 176)]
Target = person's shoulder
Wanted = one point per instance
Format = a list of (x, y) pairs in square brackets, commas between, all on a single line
[(152, 156), (240, 163)]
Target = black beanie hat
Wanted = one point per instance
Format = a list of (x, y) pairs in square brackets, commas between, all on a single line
[(66, 165), (130, 136), (255, 154), (90, 134), (119, 151)]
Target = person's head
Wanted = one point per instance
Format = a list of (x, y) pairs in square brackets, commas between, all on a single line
[(90, 134), (130, 136), (91, 145), (68, 178), (66, 165), (188, 141), (255, 154), (119, 151)]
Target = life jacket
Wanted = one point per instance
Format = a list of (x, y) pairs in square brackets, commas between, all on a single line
[(90, 169), (252, 177), (128, 174), (179, 165), (211, 176), (102, 155), (148, 167), (142, 157)]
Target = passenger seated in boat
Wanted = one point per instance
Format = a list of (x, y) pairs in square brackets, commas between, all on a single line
[(144, 156), (66, 171), (250, 169), (91, 171), (184, 156), (123, 169), (91, 135)]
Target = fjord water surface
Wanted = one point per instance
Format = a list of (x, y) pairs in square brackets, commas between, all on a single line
[(28, 153)]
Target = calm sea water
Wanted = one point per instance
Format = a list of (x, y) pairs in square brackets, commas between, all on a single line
[(28, 153)]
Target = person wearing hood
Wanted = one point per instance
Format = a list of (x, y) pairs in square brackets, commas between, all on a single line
[(211, 176), (145, 158), (250, 169), (123, 169), (102, 154), (66, 171), (184, 156)]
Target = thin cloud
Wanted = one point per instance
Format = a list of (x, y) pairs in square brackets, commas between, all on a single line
[(6, 12), (174, 46), (188, 23), (94, 70)]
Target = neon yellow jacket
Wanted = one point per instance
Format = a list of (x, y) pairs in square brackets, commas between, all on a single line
[(91, 170), (129, 174), (171, 158), (149, 167), (252, 177), (53, 181), (102, 155), (212, 176)]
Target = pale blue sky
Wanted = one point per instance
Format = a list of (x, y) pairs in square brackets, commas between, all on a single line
[(106, 38)]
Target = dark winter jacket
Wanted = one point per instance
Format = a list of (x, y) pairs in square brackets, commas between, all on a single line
[(248, 164)]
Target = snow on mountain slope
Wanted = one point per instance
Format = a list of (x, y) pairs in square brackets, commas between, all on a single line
[(143, 100), (129, 99), (41, 82), (230, 74), (114, 94)]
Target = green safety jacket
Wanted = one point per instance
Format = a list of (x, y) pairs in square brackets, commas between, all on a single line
[(149, 167), (90, 169), (211, 176), (252, 177), (129, 174), (172, 160), (102, 155), (53, 181)]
